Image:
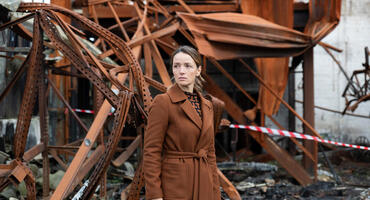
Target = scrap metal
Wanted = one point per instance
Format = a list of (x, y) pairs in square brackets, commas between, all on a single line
[(357, 89)]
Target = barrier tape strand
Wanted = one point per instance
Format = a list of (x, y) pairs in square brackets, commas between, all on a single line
[(285, 133)]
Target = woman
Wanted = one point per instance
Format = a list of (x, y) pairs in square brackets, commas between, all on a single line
[(179, 154)]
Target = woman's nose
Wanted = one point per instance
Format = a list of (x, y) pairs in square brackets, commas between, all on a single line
[(182, 70)]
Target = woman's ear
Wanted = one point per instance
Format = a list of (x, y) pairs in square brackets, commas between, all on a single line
[(199, 70)]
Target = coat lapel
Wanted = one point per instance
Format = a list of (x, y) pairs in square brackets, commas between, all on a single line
[(177, 95), (207, 119), (191, 113)]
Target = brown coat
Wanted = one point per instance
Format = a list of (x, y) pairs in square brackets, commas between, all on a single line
[(179, 154)]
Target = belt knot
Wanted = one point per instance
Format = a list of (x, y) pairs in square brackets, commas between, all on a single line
[(201, 154)]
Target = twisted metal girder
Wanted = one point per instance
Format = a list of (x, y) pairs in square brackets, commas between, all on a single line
[(30, 92), (77, 61), (111, 145), (46, 20), (122, 51)]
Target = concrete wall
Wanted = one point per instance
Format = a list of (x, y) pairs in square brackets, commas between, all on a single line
[(352, 35)]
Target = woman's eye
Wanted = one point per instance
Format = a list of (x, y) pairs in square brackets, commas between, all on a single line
[(175, 66), (187, 65)]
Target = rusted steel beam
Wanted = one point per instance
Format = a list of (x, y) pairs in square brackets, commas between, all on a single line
[(187, 8), (228, 187), (266, 142), (66, 152), (30, 91), (126, 154), (104, 12), (142, 22), (106, 54), (336, 111), (168, 44), (157, 85), (110, 147), (158, 34), (128, 22), (17, 21), (116, 17), (159, 63), (323, 44), (340, 67), (148, 61), (98, 101), (187, 36), (280, 99), (95, 16), (89, 163), (136, 184), (43, 113), (309, 111), (77, 162), (57, 71), (16, 77), (23, 173), (54, 154), (15, 49), (205, 8), (33, 152), (63, 147)]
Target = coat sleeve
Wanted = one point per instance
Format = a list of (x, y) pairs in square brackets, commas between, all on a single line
[(153, 144), (212, 162)]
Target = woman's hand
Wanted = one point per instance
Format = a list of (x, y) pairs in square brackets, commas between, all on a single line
[(158, 199)]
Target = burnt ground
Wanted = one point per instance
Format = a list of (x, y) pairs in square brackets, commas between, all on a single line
[(253, 180), (268, 181)]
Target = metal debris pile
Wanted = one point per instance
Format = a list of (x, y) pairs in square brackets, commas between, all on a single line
[(267, 181)]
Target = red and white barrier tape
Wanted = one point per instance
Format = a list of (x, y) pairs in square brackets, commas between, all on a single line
[(272, 131), (83, 111)]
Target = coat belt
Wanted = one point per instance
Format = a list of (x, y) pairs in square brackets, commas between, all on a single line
[(201, 157), (201, 154)]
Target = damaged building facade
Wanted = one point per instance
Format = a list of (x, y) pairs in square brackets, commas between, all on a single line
[(351, 37)]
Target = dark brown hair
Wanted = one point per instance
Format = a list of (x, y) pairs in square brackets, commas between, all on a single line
[(194, 54)]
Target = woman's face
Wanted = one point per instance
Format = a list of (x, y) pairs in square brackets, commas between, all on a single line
[(185, 70)]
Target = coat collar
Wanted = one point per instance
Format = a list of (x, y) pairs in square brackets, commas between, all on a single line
[(176, 95)]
